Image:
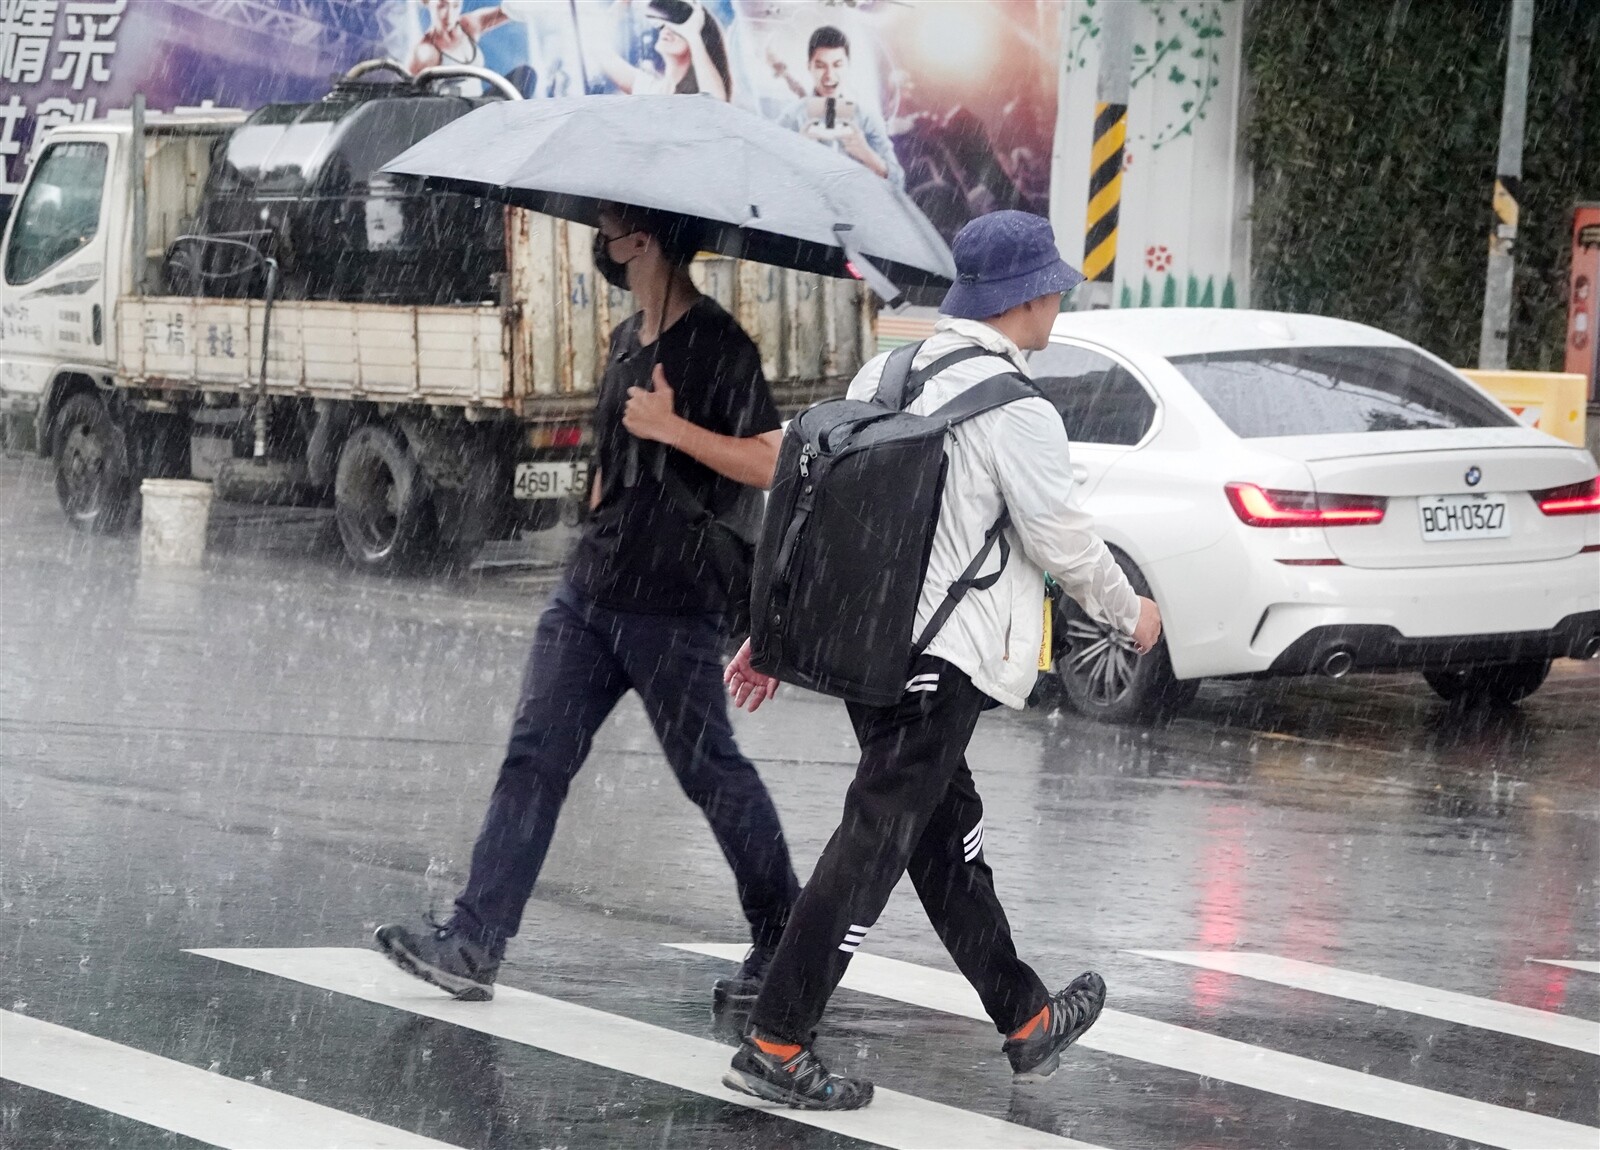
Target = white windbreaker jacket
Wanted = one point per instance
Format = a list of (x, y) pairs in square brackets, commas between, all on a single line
[(1013, 457)]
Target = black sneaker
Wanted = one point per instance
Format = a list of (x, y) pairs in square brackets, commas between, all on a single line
[(801, 1082), (443, 957), (1035, 1051), (737, 995)]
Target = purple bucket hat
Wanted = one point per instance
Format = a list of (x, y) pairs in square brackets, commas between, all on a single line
[(1004, 259)]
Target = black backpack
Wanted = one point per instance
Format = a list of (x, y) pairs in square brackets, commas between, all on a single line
[(849, 526)]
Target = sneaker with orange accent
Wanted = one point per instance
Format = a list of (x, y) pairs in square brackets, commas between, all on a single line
[(793, 1076), (1035, 1048)]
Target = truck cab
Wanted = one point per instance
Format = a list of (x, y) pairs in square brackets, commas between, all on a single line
[(69, 253), (250, 301)]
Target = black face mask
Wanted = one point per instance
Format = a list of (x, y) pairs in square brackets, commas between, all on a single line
[(615, 272)]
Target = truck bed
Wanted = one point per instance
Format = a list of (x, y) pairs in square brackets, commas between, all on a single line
[(449, 355), (539, 358)]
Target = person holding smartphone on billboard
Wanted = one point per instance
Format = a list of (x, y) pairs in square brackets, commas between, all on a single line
[(830, 117)]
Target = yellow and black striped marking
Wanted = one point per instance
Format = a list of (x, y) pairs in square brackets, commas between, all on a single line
[(1105, 192)]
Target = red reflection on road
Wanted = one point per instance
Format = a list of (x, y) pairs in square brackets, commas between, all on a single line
[(1221, 909)]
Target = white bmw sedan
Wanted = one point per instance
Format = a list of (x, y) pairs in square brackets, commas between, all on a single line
[(1303, 495)]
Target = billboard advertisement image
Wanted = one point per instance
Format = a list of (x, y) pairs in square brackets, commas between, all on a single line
[(955, 102)]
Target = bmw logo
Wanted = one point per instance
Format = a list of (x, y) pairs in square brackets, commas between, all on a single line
[(1474, 476)]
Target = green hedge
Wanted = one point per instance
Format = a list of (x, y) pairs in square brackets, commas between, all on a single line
[(1373, 131)]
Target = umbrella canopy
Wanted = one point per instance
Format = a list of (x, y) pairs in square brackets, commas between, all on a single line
[(765, 193)]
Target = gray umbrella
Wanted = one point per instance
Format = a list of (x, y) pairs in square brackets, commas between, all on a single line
[(765, 193)]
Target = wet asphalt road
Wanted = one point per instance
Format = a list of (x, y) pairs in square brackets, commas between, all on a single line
[(276, 752)]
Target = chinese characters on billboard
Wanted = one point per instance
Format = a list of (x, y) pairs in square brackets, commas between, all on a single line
[(55, 61)]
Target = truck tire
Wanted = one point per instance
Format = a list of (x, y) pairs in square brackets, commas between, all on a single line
[(1501, 686), (1101, 675), (382, 503), (93, 480)]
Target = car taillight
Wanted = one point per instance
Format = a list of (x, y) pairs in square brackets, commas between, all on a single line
[(1573, 499), (1260, 507)]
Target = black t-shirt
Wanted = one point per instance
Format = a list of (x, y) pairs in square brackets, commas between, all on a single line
[(639, 552)]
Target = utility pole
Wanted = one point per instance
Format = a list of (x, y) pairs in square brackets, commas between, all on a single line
[(1507, 192), (141, 216), (1105, 154)]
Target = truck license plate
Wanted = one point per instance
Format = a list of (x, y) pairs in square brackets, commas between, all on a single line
[(550, 480), (1446, 517)]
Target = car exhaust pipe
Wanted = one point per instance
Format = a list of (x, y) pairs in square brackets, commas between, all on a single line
[(1590, 647), (1336, 664)]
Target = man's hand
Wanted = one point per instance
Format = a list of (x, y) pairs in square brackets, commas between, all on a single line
[(855, 143), (1148, 630), (649, 414), (856, 146), (748, 687)]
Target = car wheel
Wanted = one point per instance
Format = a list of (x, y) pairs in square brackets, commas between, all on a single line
[(382, 503), (1503, 686), (1104, 678), (93, 480)]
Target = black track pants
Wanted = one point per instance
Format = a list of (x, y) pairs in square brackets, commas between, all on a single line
[(911, 807)]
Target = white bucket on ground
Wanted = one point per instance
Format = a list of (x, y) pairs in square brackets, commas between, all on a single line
[(174, 516)]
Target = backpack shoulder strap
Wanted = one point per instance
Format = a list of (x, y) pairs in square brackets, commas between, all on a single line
[(996, 391), (896, 370), (899, 386), (919, 379), (968, 581)]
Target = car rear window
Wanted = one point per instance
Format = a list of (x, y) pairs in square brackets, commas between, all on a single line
[(1333, 391)]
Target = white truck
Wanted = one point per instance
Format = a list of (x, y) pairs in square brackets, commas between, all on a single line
[(249, 300)]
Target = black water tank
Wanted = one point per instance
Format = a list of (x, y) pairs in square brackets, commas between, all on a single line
[(301, 182)]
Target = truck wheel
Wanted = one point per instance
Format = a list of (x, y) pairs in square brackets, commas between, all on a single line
[(382, 503), (1105, 679), (93, 480), (1501, 686)]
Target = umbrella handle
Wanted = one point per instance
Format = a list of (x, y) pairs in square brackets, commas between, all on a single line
[(865, 270)]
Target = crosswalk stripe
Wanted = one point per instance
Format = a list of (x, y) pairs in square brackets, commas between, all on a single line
[(1227, 1060), (181, 1098), (1582, 964), (632, 1047), (1392, 994)]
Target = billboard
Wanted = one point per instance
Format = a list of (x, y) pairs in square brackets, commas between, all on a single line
[(955, 100)]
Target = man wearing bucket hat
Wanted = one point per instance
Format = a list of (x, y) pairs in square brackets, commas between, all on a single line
[(913, 804)]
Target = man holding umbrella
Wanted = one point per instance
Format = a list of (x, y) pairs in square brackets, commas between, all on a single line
[(686, 429), (685, 424)]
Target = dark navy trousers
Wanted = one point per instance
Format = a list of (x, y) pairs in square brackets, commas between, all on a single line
[(585, 657)]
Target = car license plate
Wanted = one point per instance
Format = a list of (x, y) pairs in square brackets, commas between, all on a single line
[(1446, 517), (550, 480)]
